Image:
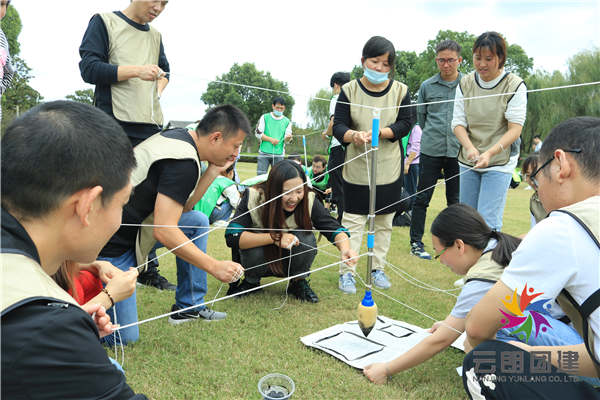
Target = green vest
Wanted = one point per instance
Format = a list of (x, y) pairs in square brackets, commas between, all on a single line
[(486, 123), (274, 128), (133, 100), (389, 157), (24, 278), (208, 202), (587, 214), (256, 198), (322, 184), (151, 150)]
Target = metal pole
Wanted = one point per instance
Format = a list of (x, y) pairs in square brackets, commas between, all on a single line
[(372, 192)]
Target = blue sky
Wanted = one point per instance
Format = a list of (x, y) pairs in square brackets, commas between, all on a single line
[(301, 43)]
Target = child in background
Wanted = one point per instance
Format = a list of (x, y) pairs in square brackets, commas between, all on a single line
[(221, 197)]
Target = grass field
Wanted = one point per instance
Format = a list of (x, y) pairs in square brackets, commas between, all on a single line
[(225, 360)]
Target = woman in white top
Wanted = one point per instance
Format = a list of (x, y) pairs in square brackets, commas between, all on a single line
[(488, 128)]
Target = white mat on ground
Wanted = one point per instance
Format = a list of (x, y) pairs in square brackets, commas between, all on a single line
[(388, 340)]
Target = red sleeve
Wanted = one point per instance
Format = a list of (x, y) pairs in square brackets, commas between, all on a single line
[(87, 286)]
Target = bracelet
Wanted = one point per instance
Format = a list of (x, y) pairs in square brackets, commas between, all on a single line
[(112, 302)]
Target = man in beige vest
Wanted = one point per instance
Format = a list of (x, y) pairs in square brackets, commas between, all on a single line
[(123, 55), (61, 200), (560, 258)]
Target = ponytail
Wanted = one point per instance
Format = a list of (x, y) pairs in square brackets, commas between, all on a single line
[(460, 221)]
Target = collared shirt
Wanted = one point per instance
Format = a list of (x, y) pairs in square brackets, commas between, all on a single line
[(438, 140)]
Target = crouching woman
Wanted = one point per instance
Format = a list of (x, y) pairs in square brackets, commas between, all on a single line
[(273, 230)]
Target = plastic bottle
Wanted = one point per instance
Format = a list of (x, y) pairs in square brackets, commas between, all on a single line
[(367, 313)]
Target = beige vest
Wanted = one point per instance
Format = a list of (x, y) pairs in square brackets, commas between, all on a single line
[(486, 123), (389, 156), (24, 278), (536, 208), (485, 269), (133, 100), (153, 149), (588, 215), (256, 199)]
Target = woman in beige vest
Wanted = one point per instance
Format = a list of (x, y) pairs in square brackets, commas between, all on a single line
[(464, 242), (488, 128), (272, 231), (352, 127)]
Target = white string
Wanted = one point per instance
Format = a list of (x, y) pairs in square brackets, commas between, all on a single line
[(245, 229), (409, 307), (287, 286), (423, 285), (367, 162), (239, 216), (426, 189), (493, 95), (406, 105), (399, 271), (235, 294)]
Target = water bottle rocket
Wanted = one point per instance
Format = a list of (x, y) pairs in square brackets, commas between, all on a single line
[(367, 309), (367, 313)]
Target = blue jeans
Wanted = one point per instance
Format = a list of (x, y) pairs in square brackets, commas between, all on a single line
[(485, 192), (221, 213), (560, 334), (191, 281), (126, 310), (264, 160)]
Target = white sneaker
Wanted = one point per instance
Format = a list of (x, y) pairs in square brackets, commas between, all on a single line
[(347, 283)]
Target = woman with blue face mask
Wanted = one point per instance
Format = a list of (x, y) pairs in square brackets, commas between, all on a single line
[(352, 127)]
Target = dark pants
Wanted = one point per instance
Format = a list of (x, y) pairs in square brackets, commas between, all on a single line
[(430, 170), (500, 370), (299, 263), (337, 157)]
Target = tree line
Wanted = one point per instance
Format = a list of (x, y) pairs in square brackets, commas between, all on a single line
[(544, 109)]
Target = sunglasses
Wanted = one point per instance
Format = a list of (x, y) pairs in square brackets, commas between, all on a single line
[(534, 173)]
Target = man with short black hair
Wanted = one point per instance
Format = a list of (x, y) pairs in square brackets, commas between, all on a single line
[(272, 130), (167, 179), (558, 260), (123, 55), (65, 176), (439, 146)]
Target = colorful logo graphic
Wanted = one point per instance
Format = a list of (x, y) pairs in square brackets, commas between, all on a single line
[(525, 324)]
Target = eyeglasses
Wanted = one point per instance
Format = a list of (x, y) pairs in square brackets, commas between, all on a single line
[(440, 253), (443, 61), (534, 173)]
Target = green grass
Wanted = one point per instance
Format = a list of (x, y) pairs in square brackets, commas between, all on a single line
[(225, 360)]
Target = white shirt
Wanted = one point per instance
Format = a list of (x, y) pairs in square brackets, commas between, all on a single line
[(332, 103), (516, 111), (558, 253)]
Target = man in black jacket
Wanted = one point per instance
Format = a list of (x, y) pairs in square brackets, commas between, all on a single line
[(65, 177)]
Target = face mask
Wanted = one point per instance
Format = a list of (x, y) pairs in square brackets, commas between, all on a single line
[(278, 113), (375, 77)]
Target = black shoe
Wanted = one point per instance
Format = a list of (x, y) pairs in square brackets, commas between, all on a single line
[(242, 286), (301, 289), (153, 278)]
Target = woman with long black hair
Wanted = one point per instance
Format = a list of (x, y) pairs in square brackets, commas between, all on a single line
[(466, 244), (273, 231)]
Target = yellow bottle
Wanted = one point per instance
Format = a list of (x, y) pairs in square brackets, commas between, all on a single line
[(367, 313)]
